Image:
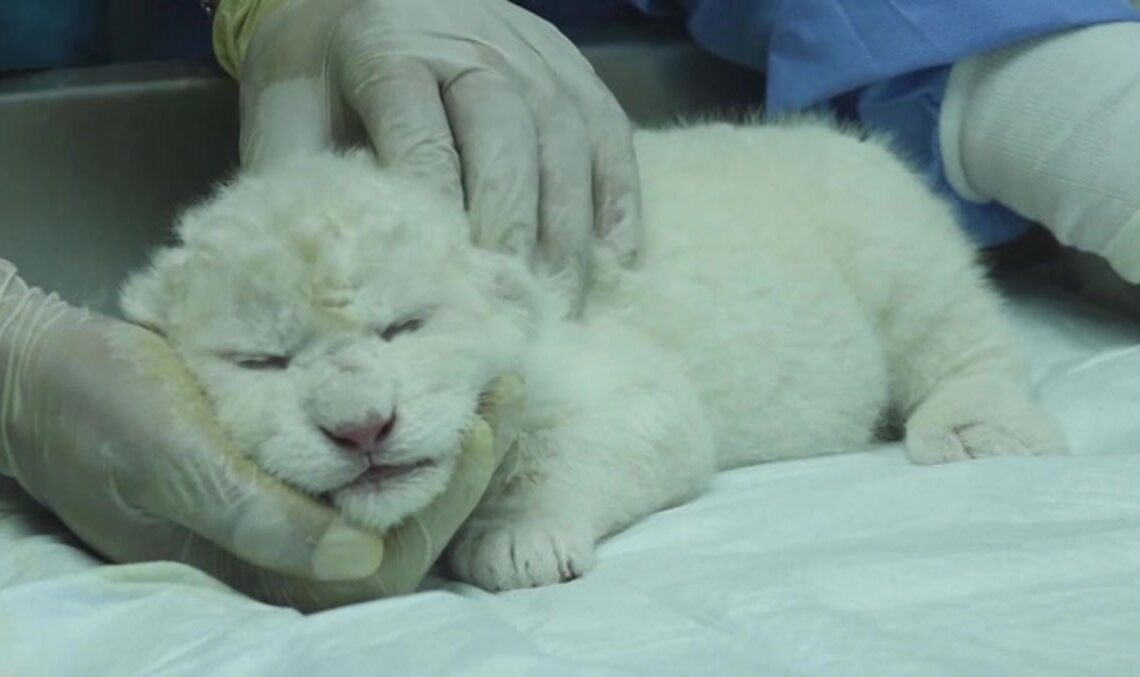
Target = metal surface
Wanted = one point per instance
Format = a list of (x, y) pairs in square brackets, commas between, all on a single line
[(95, 163)]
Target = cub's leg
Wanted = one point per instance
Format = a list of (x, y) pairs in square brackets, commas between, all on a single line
[(958, 377), (608, 438), (956, 373)]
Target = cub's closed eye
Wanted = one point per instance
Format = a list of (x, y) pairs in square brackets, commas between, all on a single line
[(405, 327), (262, 362)]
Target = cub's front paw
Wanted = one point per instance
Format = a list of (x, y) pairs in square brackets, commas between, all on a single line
[(963, 423), (520, 552)]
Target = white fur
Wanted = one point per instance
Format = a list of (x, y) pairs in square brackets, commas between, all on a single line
[(796, 285)]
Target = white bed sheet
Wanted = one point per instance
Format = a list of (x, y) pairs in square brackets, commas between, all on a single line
[(852, 564)]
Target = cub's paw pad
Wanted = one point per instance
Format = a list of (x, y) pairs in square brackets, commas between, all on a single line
[(505, 555)]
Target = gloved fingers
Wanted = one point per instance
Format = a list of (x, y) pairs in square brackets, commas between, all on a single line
[(304, 594), (616, 183), (566, 204), (411, 548), (501, 406), (398, 100), (273, 587), (196, 478), (270, 525), (286, 119), (415, 544), (498, 147)]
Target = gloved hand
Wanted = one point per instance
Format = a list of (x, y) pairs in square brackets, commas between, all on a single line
[(484, 99), (100, 422)]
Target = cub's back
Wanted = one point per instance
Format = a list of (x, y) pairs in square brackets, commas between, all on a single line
[(742, 276)]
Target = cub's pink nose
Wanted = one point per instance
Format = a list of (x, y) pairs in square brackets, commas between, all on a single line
[(364, 437)]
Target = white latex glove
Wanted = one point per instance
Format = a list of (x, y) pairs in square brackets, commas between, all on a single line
[(486, 100), (101, 423), (1050, 128)]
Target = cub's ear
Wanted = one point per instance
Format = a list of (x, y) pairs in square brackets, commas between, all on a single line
[(510, 284), (146, 296)]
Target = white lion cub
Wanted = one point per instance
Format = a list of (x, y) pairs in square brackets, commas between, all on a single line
[(796, 284)]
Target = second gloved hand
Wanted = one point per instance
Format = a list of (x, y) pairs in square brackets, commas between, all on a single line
[(484, 99)]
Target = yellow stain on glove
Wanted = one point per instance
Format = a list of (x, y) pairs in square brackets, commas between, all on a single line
[(414, 545), (234, 24)]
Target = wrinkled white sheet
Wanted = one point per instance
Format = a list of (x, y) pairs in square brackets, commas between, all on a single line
[(853, 564)]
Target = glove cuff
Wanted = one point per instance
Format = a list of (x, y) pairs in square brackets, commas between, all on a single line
[(1048, 128), (234, 24)]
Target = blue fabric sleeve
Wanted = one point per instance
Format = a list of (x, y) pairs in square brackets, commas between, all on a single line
[(907, 109)]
